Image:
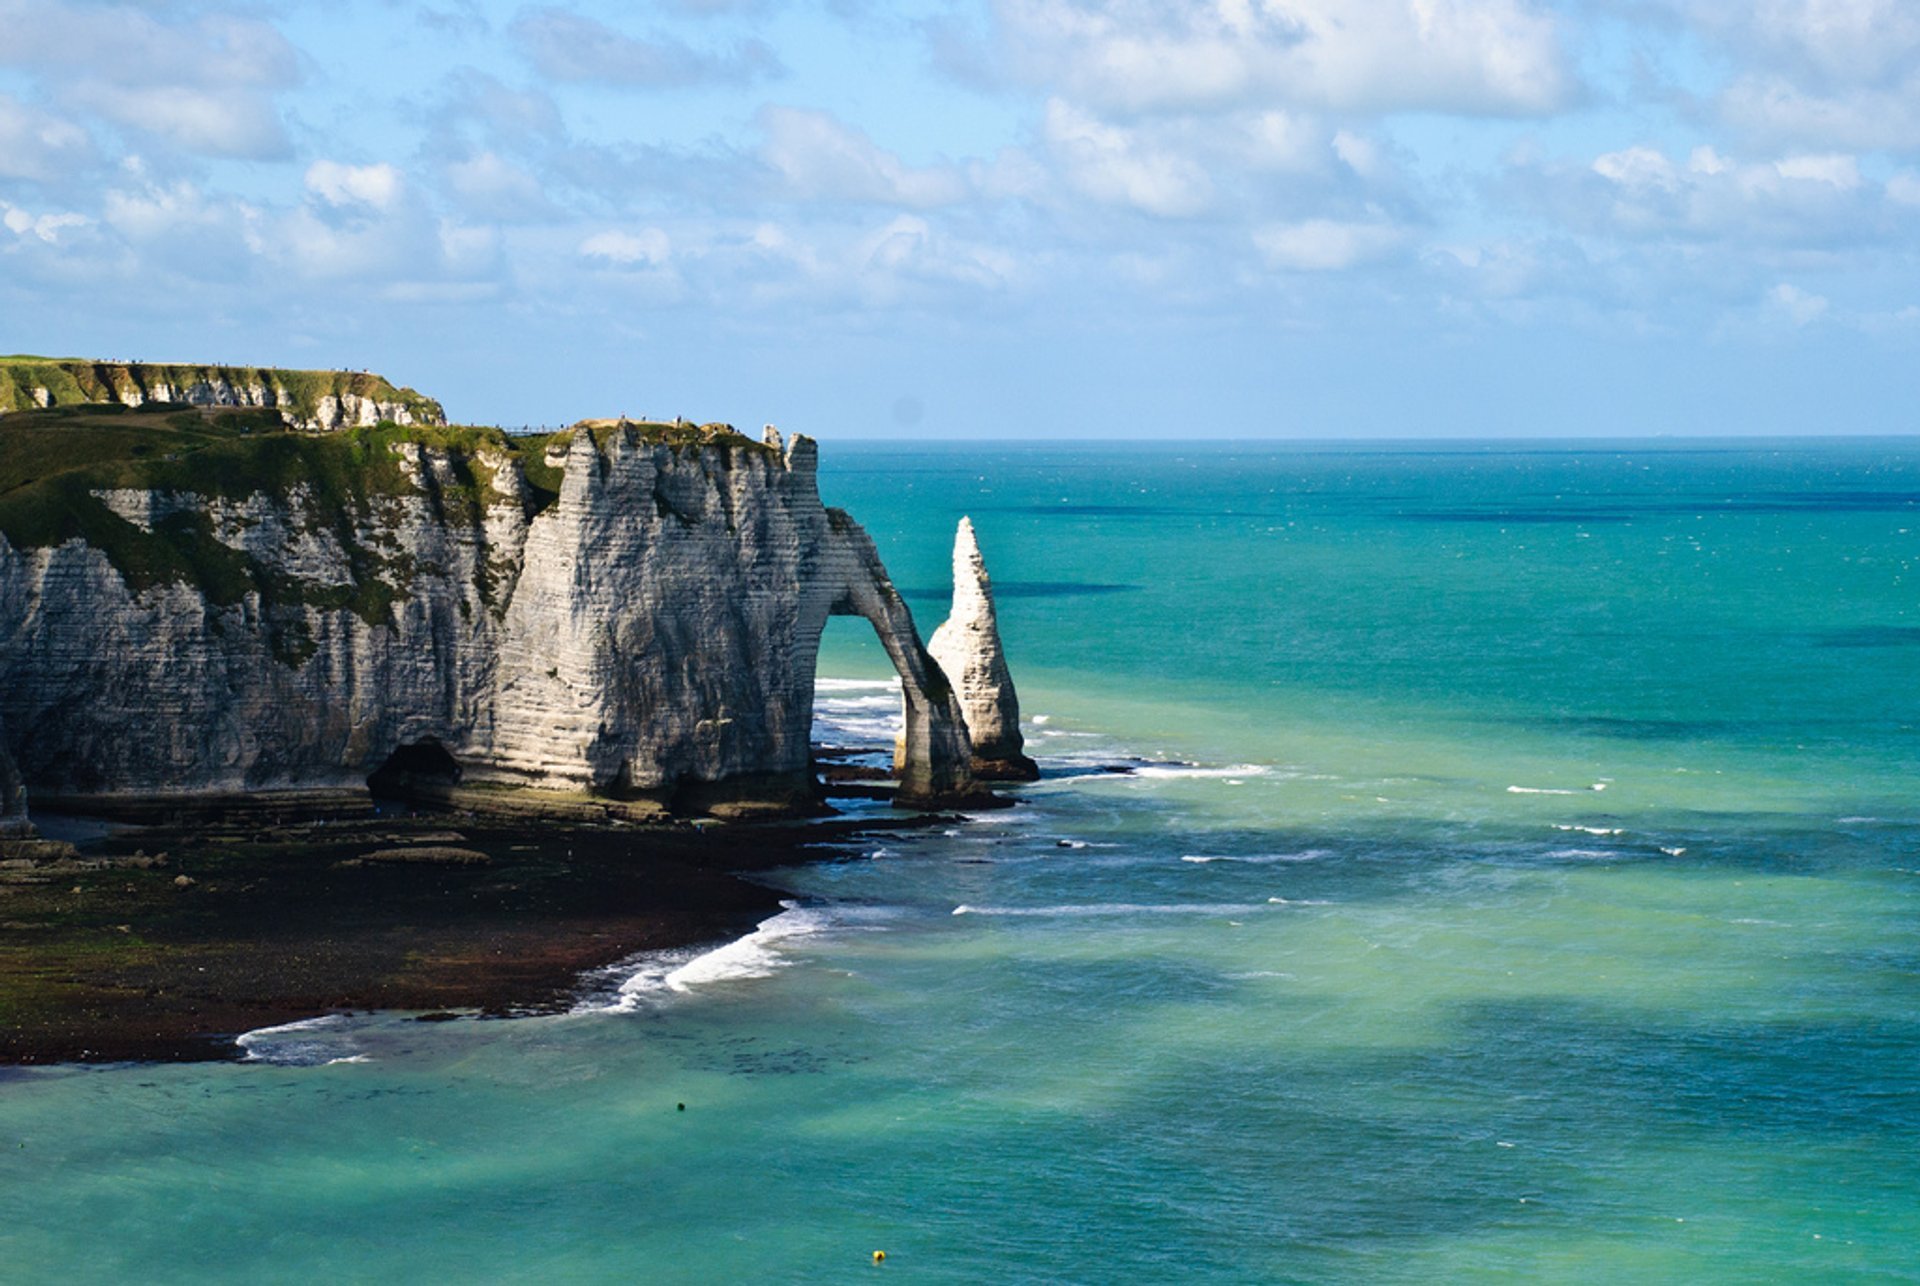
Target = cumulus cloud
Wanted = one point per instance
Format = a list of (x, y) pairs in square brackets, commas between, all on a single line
[(1774, 107), (1474, 56), (1827, 43), (1810, 200), (47, 227), (1797, 305), (1118, 166), (1326, 245), (1840, 73), (820, 158), (568, 46), (647, 248), (493, 187), (205, 82), (376, 186), (36, 145)]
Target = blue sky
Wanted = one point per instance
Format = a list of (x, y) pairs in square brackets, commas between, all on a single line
[(1055, 218)]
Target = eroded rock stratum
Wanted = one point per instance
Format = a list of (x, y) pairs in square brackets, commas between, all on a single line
[(195, 603)]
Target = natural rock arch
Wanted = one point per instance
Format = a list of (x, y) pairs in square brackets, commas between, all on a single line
[(933, 758)]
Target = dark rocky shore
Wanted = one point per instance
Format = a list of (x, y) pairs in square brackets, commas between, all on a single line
[(164, 942)]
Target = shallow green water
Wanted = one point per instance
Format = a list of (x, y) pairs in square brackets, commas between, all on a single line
[(1560, 810)]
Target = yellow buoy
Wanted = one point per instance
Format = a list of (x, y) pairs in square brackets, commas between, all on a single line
[(879, 1256)]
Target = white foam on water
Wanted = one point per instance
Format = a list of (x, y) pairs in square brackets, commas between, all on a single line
[(657, 975), (757, 955), (1257, 859), (310, 1042), (1589, 830), (1585, 854), (1199, 770), (1539, 790), (856, 711), (1076, 910), (1298, 902), (1672, 852), (856, 685), (1256, 973)]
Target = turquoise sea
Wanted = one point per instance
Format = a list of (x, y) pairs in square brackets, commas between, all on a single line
[(1519, 878)]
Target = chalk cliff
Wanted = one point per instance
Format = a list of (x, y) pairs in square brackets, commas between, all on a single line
[(620, 612), (318, 401), (967, 646)]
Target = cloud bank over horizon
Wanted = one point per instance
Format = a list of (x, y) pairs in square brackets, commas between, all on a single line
[(1035, 218)]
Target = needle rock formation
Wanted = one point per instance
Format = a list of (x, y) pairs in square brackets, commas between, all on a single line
[(969, 650)]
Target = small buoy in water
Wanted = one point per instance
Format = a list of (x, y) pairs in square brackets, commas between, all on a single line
[(879, 1256), (681, 1106)]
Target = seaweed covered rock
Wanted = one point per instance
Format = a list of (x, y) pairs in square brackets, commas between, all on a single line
[(967, 646)]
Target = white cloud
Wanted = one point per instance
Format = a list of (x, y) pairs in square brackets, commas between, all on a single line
[(36, 145), (493, 187), (648, 247), (1809, 199), (155, 212), (41, 227), (202, 81), (219, 122), (1119, 167), (1836, 73), (909, 248), (1473, 56), (572, 47), (1799, 307), (1775, 108), (1823, 42), (819, 158), (377, 186), (1326, 245)]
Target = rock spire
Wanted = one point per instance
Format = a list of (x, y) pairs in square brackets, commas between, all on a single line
[(969, 651)]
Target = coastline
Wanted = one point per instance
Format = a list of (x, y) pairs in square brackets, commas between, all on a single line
[(164, 943)]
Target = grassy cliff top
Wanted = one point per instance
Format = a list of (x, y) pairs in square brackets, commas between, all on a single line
[(27, 382), (675, 433), (54, 461)]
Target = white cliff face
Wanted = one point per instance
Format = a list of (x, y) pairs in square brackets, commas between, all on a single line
[(651, 633), (968, 648)]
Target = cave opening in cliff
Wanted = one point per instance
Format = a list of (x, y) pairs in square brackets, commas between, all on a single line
[(417, 772)]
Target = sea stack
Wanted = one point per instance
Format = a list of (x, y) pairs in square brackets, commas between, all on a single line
[(968, 648)]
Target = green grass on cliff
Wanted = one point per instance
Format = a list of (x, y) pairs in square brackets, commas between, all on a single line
[(63, 381), (54, 462)]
